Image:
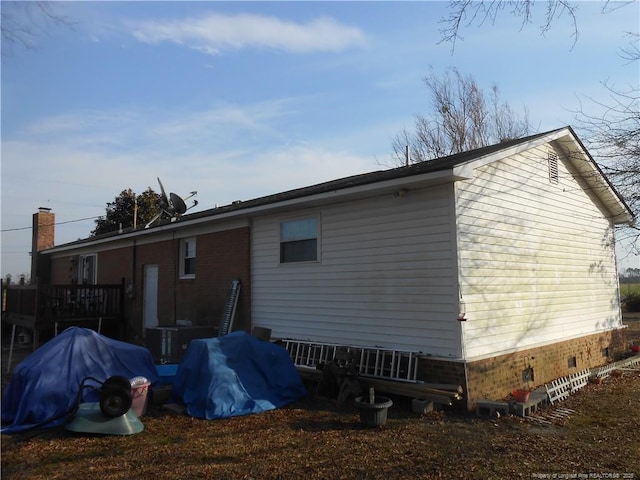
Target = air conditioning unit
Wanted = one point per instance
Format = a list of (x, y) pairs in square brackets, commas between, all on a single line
[(168, 344)]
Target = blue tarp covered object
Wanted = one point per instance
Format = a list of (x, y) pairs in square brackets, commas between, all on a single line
[(44, 386), (234, 375)]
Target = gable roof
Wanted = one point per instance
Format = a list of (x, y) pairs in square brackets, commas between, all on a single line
[(430, 166), (445, 169)]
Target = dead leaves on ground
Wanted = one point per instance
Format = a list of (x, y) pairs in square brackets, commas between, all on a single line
[(314, 439)]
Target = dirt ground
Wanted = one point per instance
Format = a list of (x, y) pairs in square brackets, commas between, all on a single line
[(593, 434)]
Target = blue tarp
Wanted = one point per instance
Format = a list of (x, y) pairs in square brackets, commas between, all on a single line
[(234, 375), (44, 386)]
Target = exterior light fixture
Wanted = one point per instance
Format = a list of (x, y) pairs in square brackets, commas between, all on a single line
[(462, 310)]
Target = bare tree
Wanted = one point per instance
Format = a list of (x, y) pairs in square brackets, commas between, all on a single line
[(462, 118), (613, 138), (22, 22), (464, 13)]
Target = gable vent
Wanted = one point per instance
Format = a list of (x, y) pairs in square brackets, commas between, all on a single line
[(552, 160)]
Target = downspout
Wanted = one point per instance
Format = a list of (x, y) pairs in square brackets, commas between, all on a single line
[(461, 310), (176, 274), (250, 274), (133, 267), (132, 292), (460, 307)]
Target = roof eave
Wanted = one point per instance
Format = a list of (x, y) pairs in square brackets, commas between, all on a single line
[(466, 169), (390, 186), (619, 212), (567, 140)]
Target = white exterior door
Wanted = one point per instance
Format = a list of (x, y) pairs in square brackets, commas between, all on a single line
[(150, 296)]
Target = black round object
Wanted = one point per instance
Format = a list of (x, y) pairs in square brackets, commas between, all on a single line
[(116, 381), (115, 398)]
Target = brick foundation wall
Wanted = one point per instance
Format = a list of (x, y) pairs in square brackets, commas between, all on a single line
[(433, 370), (494, 378)]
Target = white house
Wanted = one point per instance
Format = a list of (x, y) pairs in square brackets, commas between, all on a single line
[(502, 254), (491, 269)]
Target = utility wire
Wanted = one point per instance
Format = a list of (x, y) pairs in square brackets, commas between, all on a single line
[(51, 224)]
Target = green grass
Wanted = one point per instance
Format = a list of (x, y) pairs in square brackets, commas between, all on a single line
[(627, 288), (630, 294)]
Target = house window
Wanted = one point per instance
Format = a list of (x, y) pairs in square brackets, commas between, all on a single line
[(88, 269), (552, 160), (188, 258), (299, 241)]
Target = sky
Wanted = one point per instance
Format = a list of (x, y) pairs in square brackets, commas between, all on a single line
[(237, 100)]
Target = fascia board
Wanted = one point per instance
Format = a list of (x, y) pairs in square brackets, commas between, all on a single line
[(142, 237), (336, 196), (575, 152), (467, 169), (350, 193)]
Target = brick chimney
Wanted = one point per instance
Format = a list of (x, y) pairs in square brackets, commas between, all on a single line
[(43, 237)]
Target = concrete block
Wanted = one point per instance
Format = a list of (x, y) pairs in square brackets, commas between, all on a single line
[(536, 400), (492, 408)]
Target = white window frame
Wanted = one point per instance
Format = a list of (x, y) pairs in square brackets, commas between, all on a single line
[(282, 241), (187, 252), (83, 260)]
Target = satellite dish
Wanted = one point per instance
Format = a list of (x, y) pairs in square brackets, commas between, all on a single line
[(163, 196), (177, 203), (173, 206)]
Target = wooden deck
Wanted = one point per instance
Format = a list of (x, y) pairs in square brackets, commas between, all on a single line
[(51, 308)]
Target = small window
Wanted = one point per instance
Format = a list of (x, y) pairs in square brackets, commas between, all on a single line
[(572, 362), (188, 258), (88, 271), (299, 241), (552, 159)]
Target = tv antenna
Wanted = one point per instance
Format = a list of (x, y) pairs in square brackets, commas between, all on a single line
[(173, 206)]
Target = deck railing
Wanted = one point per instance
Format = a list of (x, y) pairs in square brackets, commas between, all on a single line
[(19, 299), (37, 307), (79, 301), (41, 308)]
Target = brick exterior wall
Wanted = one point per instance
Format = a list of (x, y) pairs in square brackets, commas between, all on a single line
[(220, 258), (442, 371), (165, 256), (496, 377), (61, 271)]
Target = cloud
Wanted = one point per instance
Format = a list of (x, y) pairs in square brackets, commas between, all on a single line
[(165, 133), (77, 162), (215, 33)]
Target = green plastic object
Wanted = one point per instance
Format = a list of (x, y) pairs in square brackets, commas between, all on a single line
[(90, 419)]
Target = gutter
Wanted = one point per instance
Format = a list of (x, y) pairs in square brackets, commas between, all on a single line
[(263, 206)]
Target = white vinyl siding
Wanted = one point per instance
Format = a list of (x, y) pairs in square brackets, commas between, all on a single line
[(385, 277), (537, 263)]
